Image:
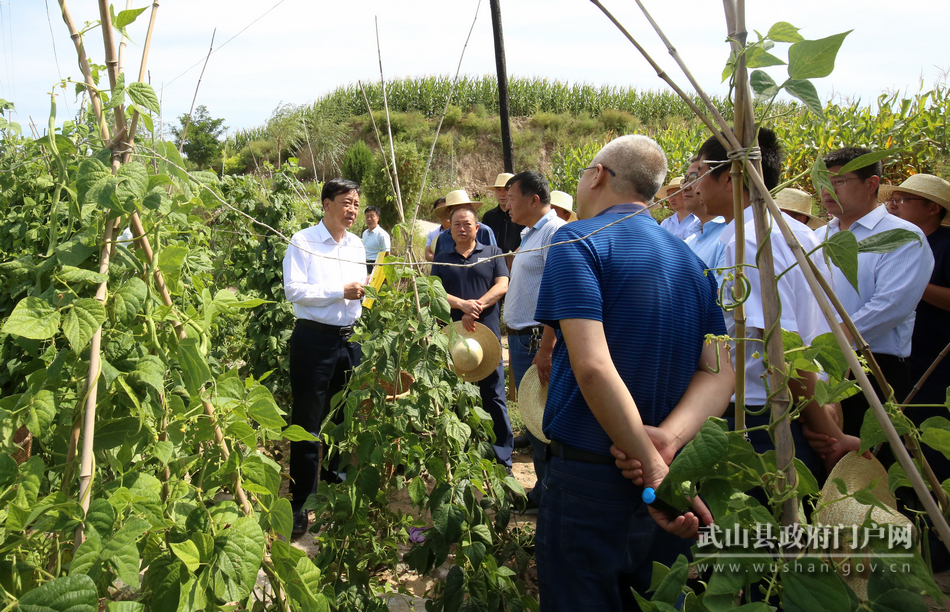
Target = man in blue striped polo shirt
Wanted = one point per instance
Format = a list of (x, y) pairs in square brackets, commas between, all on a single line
[(634, 309)]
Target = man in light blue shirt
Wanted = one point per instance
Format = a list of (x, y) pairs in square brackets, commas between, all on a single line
[(530, 342), (375, 238), (681, 223), (705, 242), (890, 285)]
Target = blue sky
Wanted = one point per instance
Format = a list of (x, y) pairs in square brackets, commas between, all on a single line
[(302, 49)]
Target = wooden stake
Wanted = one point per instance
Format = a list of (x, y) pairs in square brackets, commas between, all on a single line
[(86, 72), (500, 68), (389, 129)]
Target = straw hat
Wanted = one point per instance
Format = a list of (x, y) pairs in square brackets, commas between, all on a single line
[(565, 202), (673, 185), (798, 201), (501, 181), (532, 397), (858, 473), (453, 199), (926, 186), (476, 354)]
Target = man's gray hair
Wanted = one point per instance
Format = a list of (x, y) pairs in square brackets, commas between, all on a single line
[(639, 162)]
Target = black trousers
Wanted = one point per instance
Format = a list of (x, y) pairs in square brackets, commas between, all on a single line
[(897, 372), (320, 363)]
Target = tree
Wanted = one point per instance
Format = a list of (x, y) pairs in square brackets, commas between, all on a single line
[(201, 140)]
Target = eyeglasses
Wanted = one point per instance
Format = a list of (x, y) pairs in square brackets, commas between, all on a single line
[(580, 173), (841, 181), (900, 201)]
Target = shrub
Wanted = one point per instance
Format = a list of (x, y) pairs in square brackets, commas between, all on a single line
[(410, 163), (357, 162)]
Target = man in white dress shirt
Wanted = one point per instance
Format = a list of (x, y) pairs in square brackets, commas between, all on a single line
[(889, 284), (376, 240), (324, 269), (681, 223)]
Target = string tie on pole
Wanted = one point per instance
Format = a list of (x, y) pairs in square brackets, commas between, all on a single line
[(745, 153)]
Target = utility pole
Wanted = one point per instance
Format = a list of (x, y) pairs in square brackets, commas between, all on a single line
[(502, 86)]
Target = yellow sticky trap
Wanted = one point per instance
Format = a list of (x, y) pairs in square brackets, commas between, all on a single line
[(377, 279)]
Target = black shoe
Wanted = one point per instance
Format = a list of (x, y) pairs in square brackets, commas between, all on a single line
[(301, 523), (522, 441)]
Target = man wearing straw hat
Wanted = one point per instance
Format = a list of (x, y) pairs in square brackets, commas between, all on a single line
[(473, 293), (529, 342), (634, 308), (507, 232), (455, 199), (323, 272), (563, 205), (923, 199), (705, 242), (681, 223), (797, 205), (890, 285)]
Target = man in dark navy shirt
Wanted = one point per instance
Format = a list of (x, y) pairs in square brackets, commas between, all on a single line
[(473, 293)]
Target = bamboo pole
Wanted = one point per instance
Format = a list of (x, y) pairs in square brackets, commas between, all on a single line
[(379, 141), (184, 132), (127, 153), (923, 379), (112, 63), (123, 42), (86, 71), (772, 334), (92, 386), (389, 129)]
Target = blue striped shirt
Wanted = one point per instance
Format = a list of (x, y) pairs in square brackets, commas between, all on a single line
[(890, 284), (706, 243), (649, 291)]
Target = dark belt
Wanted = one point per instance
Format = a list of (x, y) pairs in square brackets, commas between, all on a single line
[(528, 331), (567, 453), (336, 330)]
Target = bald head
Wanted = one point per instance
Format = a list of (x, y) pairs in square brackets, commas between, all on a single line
[(639, 165)]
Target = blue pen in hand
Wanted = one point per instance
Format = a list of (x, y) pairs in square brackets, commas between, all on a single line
[(649, 498)]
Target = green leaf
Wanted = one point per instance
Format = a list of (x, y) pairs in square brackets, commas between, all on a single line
[(448, 519), (282, 518), (263, 408), (126, 17), (938, 439), (194, 366), (129, 300), (829, 355), (66, 594), (872, 434), (806, 92), (296, 433), (32, 318), (758, 57), (417, 492), (672, 585), (259, 476), (810, 586), (807, 483), (368, 482), (101, 517), (82, 321), (73, 252), (899, 600), (42, 412), (86, 560), (784, 32), (134, 182), (842, 249), (125, 606), (813, 59), (143, 95), (763, 85), (70, 274), (123, 553), (188, 553), (240, 552), (867, 159), (475, 552), (706, 450), (887, 241)]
